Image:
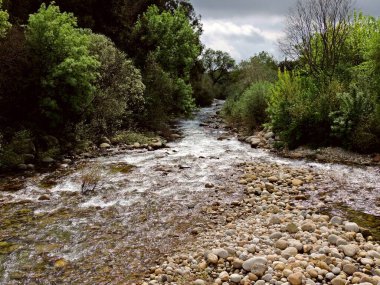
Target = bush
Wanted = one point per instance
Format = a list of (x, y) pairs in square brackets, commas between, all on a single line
[(203, 91), (249, 109), (299, 112), (356, 123)]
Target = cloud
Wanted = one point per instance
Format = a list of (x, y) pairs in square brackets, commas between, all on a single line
[(240, 40), (246, 27)]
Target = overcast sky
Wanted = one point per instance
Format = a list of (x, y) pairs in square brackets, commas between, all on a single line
[(246, 27)]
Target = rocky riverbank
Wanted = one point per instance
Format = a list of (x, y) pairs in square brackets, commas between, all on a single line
[(267, 140), (269, 237)]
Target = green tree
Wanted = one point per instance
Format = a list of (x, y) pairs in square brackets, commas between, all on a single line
[(4, 23), (170, 38), (217, 64), (119, 95), (67, 69)]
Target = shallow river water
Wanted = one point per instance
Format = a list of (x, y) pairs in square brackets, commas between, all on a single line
[(146, 205)]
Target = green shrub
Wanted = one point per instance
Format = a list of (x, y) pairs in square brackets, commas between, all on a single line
[(130, 137), (249, 109), (11, 152), (356, 123), (299, 112)]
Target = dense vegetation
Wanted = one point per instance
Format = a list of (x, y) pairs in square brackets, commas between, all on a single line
[(329, 94), (73, 72)]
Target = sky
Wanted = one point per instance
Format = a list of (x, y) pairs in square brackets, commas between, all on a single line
[(245, 27)]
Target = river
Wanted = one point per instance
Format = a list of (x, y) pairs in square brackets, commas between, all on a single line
[(146, 205)]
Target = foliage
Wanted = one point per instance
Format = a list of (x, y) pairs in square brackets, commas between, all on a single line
[(170, 39), (298, 112), (67, 70), (260, 67), (217, 64), (119, 88), (164, 96), (173, 46), (204, 90), (131, 137), (249, 109), (4, 23), (356, 122), (11, 152)]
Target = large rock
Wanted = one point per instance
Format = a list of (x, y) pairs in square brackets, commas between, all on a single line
[(350, 269), (259, 269), (350, 249), (212, 258), (255, 142), (281, 244), (292, 228), (105, 145), (236, 278), (336, 220), (289, 252), (248, 264), (338, 281), (351, 227), (220, 252), (274, 220), (295, 278), (308, 227)]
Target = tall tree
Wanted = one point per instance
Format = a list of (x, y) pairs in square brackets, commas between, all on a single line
[(316, 32), (217, 64), (68, 70)]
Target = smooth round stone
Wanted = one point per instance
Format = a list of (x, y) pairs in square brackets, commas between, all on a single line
[(336, 270), (350, 269), (351, 227), (350, 249), (366, 261), (199, 282), (336, 220), (330, 276), (338, 281), (281, 244), (220, 252), (290, 251), (236, 278)]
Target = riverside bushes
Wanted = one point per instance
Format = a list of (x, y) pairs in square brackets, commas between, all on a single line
[(302, 107), (249, 109), (60, 80)]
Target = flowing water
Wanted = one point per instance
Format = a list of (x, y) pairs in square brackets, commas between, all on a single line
[(146, 205)]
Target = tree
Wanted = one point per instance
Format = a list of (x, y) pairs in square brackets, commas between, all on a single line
[(217, 64), (4, 23), (170, 38), (316, 32), (119, 95), (67, 70)]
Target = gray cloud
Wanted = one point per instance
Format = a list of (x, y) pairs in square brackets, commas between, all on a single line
[(246, 27)]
